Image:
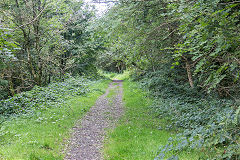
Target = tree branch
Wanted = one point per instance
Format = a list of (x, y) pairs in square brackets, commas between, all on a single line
[(33, 20)]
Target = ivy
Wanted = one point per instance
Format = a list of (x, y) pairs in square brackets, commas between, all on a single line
[(204, 122), (54, 95)]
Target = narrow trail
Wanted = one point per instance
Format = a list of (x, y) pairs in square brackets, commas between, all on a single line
[(88, 135)]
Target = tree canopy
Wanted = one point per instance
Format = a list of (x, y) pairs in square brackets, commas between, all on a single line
[(43, 40), (185, 53), (200, 37)]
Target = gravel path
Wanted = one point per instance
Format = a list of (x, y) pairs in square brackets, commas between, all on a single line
[(86, 142)]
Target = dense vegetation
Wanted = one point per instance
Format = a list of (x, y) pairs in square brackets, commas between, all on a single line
[(41, 41), (138, 135), (47, 55), (204, 122), (42, 131), (185, 53), (199, 39), (54, 95)]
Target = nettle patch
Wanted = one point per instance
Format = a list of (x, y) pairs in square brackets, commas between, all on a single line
[(43, 97), (205, 123)]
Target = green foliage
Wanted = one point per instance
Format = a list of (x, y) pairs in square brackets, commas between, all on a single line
[(7, 46), (133, 36), (204, 122), (211, 41), (200, 37), (53, 38), (43, 134), (138, 134), (54, 95), (80, 54), (115, 76), (3, 90), (173, 44)]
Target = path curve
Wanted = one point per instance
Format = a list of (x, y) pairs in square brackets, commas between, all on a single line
[(86, 142)]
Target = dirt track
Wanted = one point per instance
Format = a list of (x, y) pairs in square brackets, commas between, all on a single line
[(86, 142)]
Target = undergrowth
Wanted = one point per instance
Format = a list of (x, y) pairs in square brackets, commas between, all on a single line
[(204, 122), (41, 133), (54, 95), (138, 135)]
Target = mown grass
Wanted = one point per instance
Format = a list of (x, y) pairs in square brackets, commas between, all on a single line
[(42, 136), (137, 136)]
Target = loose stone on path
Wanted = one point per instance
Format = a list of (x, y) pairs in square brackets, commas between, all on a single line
[(86, 142)]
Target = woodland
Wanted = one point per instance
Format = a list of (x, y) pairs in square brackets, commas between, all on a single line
[(184, 54)]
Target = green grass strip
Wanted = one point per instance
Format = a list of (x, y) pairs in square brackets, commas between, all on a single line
[(42, 136), (137, 136)]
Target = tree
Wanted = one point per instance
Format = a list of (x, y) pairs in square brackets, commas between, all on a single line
[(198, 39), (52, 38)]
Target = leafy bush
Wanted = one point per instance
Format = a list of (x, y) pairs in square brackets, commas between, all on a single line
[(3, 88), (205, 122), (42, 97)]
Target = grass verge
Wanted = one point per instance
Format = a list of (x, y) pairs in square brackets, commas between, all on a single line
[(122, 76), (138, 137), (42, 136), (115, 76)]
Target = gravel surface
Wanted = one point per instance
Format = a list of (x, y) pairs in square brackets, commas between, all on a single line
[(86, 142)]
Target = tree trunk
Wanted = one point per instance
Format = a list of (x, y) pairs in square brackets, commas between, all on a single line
[(10, 83), (189, 73)]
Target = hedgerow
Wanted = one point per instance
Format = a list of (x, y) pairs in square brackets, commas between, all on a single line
[(54, 95), (204, 122)]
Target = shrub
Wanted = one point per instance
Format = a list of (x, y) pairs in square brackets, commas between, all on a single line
[(204, 122), (54, 95)]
